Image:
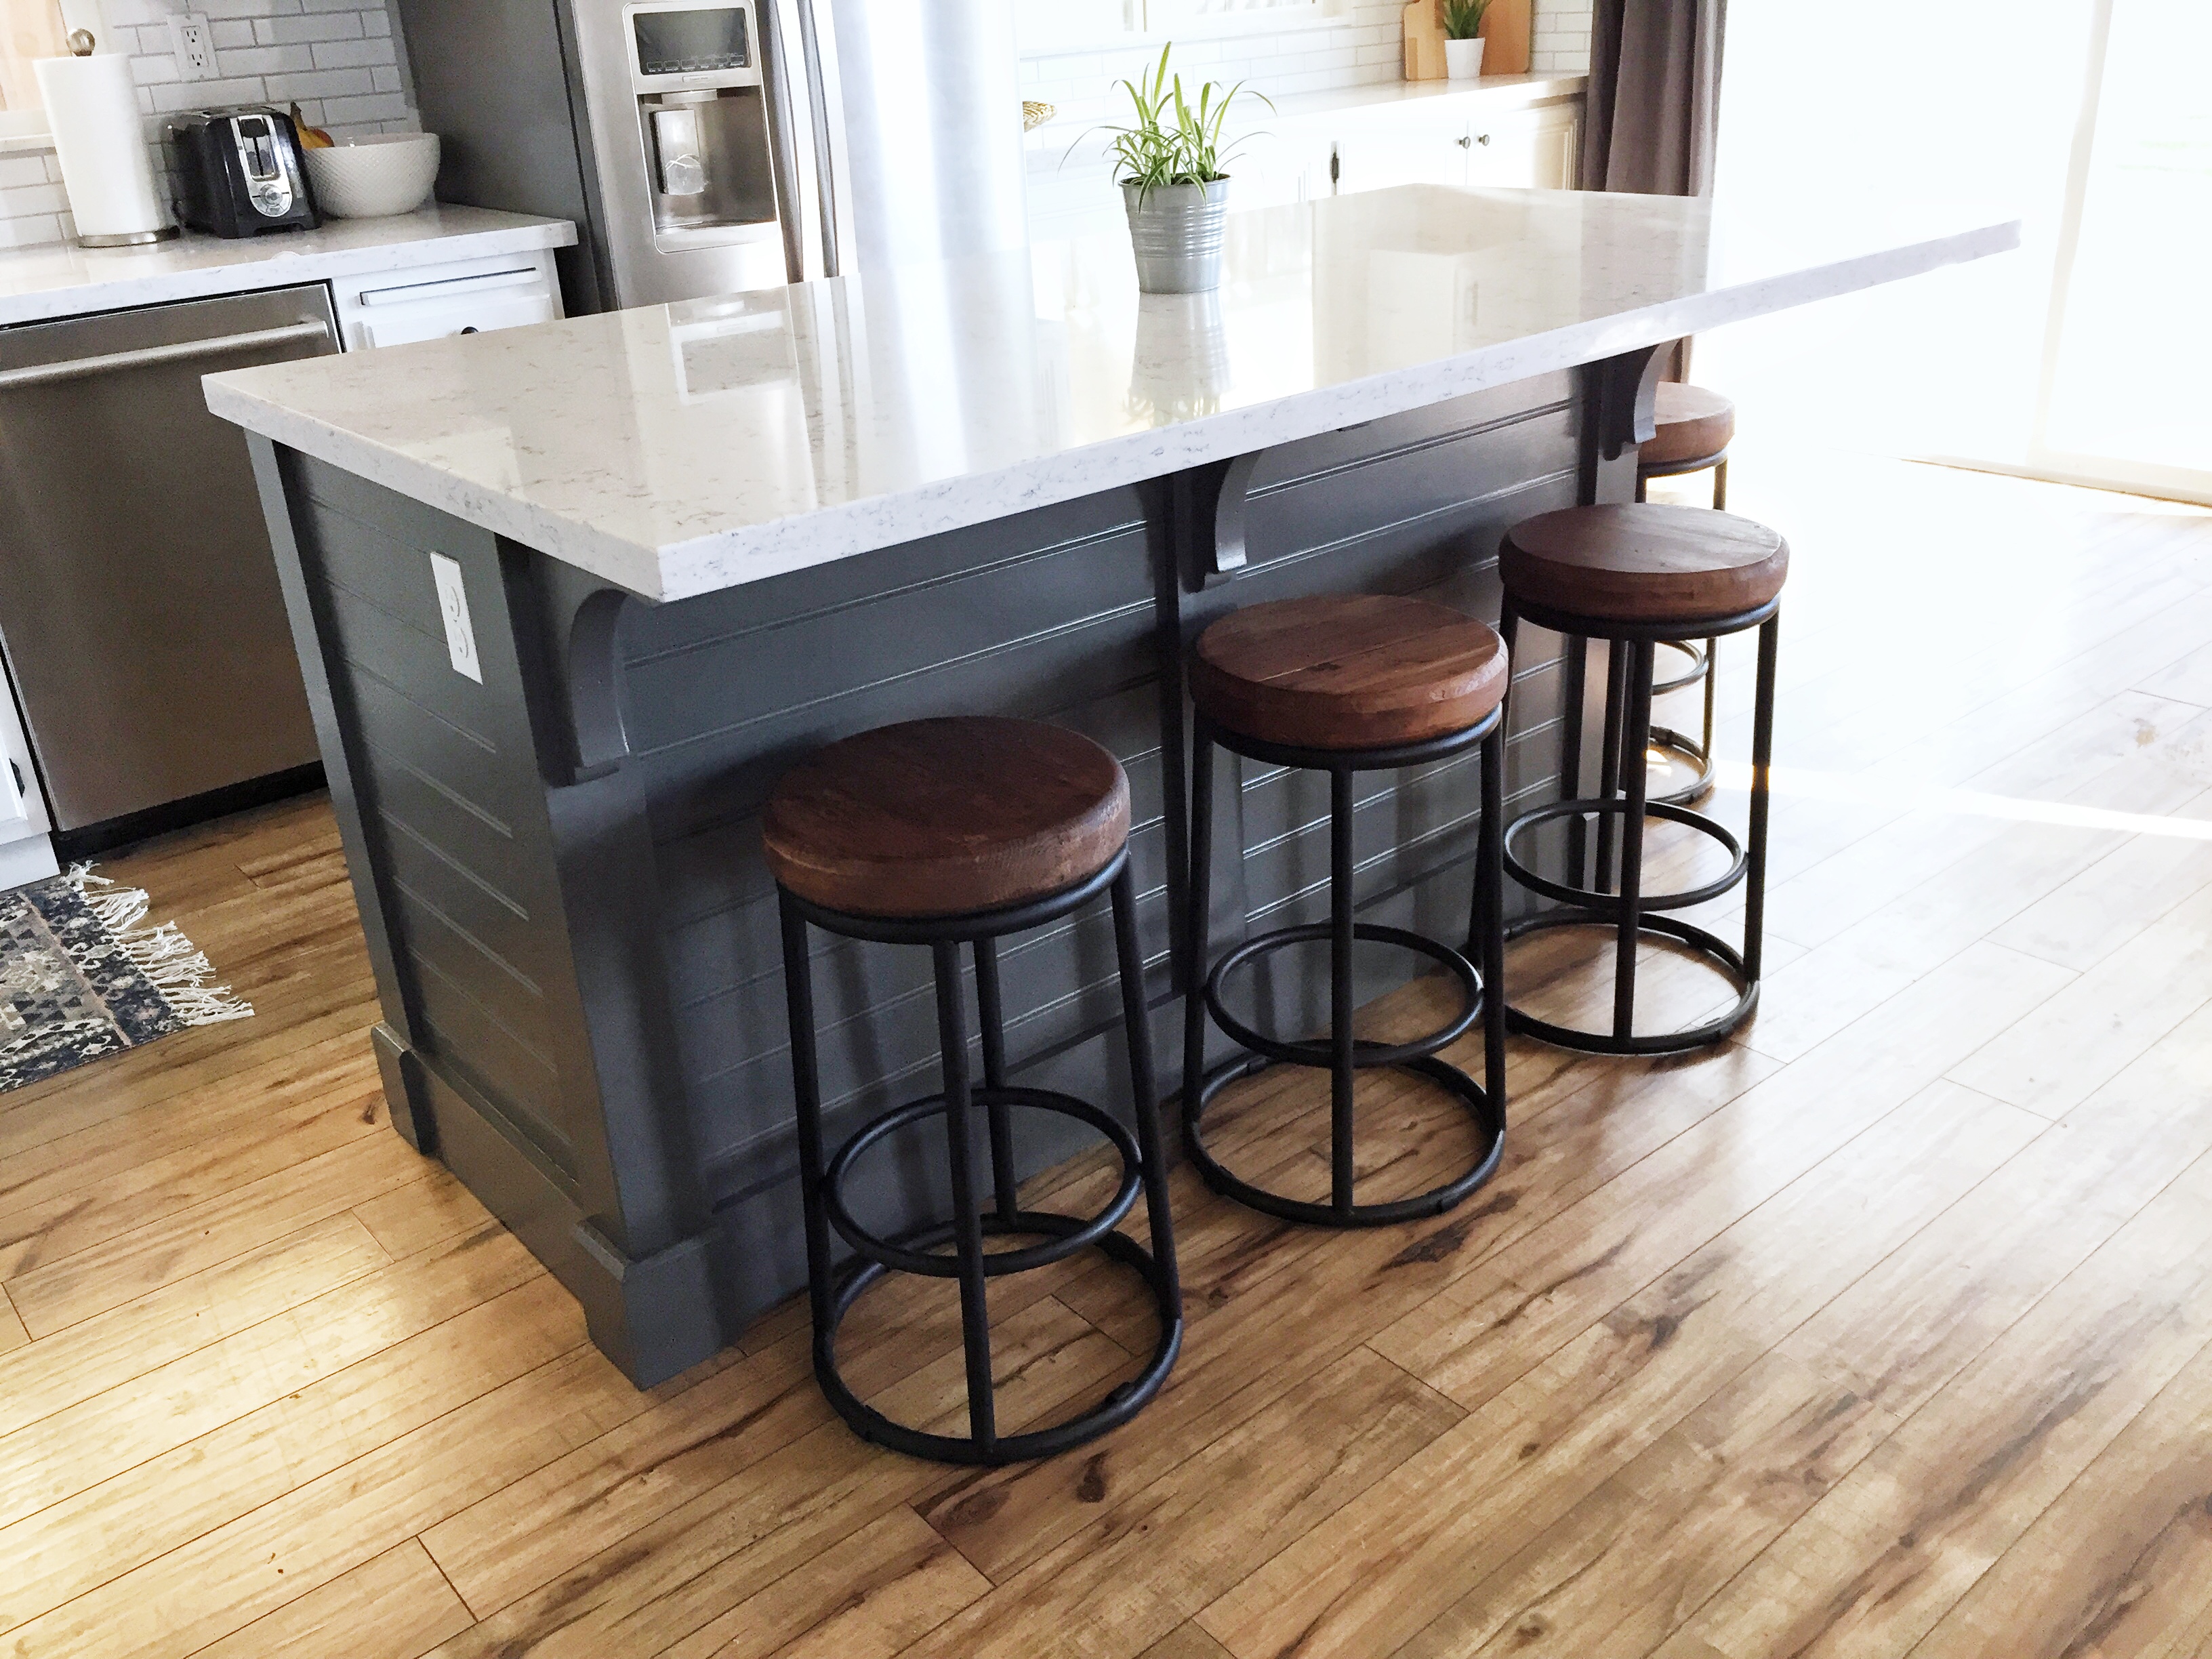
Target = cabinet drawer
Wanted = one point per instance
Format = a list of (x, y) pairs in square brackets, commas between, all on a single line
[(441, 318)]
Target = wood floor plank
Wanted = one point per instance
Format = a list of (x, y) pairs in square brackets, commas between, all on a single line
[(12, 1333), (1613, 1578), (130, 1265), (2062, 1054), (83, 1444), (395, 1607), (1150, 1558), (422, 1213), (2090, 916), (1336, 1290), (1552, 1428), (870, 1596), (689, 1564), (268, 1135), (109, 1349), (2120, 1565), (226, 1577), (1588, 1258), (122, 1153), (1988, 1445), (1186, 1642)]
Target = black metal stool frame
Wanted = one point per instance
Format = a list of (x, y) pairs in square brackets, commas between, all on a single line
[(1623, 786), (832, 1291), (1344, 1055), (1703, 659)]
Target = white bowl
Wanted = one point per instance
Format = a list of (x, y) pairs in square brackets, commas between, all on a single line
[(373, 177)]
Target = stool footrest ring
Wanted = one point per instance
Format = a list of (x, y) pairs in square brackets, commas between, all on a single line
[(1489, 1117), (1608, 904), (1718, 953), (1315, 1051), (1067, 1234), (1121, 1405), (1701, 768)]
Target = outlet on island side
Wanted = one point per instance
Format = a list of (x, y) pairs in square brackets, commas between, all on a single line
[(193, 44)]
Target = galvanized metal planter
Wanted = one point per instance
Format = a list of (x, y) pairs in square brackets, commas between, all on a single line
[(1175, 230)]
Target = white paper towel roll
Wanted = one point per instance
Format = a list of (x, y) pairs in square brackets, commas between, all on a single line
[(93, 109)]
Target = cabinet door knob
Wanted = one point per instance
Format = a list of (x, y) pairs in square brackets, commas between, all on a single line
[(1482, 138), (1465, 143)]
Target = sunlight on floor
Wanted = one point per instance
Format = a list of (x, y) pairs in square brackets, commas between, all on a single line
[(1884, 792)]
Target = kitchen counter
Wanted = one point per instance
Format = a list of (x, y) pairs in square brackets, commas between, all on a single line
[(570, 599), (68, 281), (674, 451)]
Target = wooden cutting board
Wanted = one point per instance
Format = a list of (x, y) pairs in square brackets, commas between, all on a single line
[(1505, 29), (1424, 41)]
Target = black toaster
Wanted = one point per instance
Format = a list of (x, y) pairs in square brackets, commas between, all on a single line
[(239, 172)]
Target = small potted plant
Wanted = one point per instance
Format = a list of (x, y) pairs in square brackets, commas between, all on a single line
[(1462, 43), (1169, 164)]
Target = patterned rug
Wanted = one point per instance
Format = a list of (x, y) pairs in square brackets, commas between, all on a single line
[(81, 978)]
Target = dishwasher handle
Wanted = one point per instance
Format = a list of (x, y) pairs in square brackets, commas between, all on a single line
[(83, 368)]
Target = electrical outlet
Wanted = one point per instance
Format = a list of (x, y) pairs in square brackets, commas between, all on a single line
[(194, 46)]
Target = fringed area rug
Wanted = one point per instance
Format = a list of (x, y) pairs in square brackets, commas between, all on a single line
[(81, 978)]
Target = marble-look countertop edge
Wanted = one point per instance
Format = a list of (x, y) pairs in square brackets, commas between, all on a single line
[(250, 272), (752, 553)]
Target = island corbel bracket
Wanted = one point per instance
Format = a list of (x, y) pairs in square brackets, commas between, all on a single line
[(1208, 510), (1621, 398), (577, 665)]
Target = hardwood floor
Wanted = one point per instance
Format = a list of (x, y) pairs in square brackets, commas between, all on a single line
[(1884, 1330)]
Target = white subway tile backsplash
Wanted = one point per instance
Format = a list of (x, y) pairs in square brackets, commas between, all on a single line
[(338, 58)]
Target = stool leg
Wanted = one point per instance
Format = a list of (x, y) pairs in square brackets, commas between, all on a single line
[(806, 1094), (1762, 759), (1344, 1074), (967, 1216), (1490, 917), (1509, 630), (1635, 777), (1720, 486), (1618, 673), (1712, 681), (1144, 1089), (992, 1013), (1643, 486), (1198, 895), (1570, 757)]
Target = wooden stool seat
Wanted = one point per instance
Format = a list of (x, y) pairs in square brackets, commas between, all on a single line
[(1352, 670), (1693, 424), (941, 817), (1644, 563)]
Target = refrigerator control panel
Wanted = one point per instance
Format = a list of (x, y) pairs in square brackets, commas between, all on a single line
[(679, 45)]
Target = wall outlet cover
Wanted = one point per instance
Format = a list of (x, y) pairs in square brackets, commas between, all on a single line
[(193, 42), (453, 608)]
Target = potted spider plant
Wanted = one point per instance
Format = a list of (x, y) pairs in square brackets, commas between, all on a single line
[(1462, 43), (1168, 163)]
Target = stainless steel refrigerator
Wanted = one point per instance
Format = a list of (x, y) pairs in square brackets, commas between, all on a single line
[(708, 148)]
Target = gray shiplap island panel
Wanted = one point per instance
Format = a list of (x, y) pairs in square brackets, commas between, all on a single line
[(559, 866)]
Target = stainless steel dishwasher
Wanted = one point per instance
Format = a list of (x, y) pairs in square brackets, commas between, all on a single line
[(139, 609)]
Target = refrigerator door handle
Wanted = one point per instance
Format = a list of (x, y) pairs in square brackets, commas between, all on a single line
[(818, 28)]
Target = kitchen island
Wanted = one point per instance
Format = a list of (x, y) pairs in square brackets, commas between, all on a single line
[(569, 599)]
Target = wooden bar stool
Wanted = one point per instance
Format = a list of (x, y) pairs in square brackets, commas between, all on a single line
[(1639, 576), (942, 832), (1694, 430), (1347, 684)]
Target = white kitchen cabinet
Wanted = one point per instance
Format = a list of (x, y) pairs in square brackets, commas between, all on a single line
[(1527, 147), (436, 302), (27, 852)]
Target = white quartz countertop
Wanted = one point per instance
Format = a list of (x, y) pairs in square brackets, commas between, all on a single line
[(42, 282), (675, 450)]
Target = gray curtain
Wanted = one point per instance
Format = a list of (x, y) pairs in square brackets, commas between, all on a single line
[(1654, 93), (1653, 106)]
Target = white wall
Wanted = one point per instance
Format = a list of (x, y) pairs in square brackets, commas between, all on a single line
[(339, 58)]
